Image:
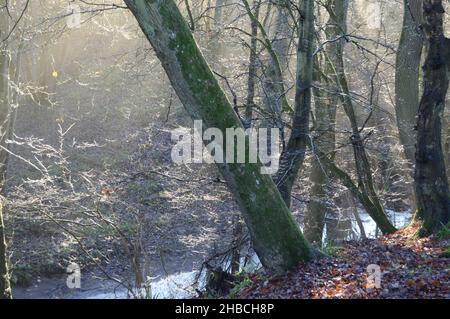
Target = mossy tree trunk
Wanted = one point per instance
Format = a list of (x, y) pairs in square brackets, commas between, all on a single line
[(366, 186), (430, 178), (366, 201), (276, 238)]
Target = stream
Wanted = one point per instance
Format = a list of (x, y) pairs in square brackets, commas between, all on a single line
[(173, 286)]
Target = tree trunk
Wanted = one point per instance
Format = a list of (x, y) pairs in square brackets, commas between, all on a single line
[(283, 32), (317, 207), (407, 84), (5, 290), (352, 204), (277, 239), (274, 70), (365, 191), (407, 69), (446, 137), (371, 208), (252, 67), (430, 179), (218, 15), (324, 137), (363, 168), (293, 155), (273, 82), (215, 47)]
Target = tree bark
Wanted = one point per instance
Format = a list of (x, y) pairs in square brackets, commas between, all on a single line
[(218, 15), (273, 82), (371, 208), (275, 74), (324, 138), (407, 69), (365, 191), (430, 178), (293, 155), (363, 167), (5, 289), (252, 67), (277, 239)]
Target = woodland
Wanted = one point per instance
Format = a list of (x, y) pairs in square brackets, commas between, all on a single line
[(352, 95)]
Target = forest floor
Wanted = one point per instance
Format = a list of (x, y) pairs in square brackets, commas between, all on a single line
[(410, 268)]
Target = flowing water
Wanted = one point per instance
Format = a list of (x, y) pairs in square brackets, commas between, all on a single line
[(177, 285)]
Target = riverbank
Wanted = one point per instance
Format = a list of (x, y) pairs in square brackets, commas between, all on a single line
[(409, 268)]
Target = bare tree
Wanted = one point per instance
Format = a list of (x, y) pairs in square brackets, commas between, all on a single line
[(292, 157), (325, 120), (5, 290)]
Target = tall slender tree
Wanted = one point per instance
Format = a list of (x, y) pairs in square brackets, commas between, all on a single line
[(252, 64), (407, 68), (430, 178), (325, 103), (5, 290), (274, 67), (293, 155), (362, 163), (365, 189)]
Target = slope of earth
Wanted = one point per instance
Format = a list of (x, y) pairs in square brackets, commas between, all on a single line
[(410, 268)]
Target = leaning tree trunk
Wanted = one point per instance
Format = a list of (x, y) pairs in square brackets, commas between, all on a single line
[(407, 69), (293, 155), (430, 179), (277, 239), (365, 191), (363, 168)]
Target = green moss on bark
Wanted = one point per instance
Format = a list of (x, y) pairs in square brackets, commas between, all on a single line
[(276, 237)]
